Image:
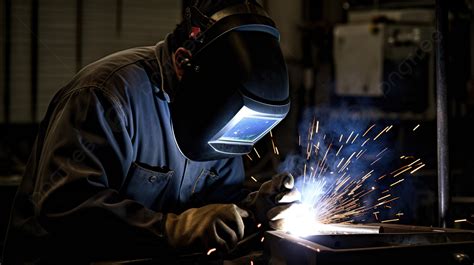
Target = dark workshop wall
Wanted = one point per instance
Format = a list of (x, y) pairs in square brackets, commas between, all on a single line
[(52, 39), (3, 19), (20, 62)]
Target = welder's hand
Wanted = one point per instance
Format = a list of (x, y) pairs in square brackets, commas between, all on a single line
[(212, 226), (273, 197)]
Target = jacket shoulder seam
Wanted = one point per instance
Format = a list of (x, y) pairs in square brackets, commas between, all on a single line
[(101, 84)]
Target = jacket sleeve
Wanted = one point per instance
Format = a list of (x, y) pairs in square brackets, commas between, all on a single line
[(86, 155)]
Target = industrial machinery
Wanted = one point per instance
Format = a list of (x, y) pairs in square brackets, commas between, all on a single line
[(386, 57), (372, 244)]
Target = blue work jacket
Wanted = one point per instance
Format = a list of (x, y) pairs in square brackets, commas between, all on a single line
[(105, 168)]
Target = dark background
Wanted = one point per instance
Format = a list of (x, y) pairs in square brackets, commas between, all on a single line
[(43, 43)]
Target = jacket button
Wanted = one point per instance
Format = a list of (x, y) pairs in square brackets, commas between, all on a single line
[(152, 179)]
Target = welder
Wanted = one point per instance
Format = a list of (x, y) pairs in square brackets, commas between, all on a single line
[(142, 150)]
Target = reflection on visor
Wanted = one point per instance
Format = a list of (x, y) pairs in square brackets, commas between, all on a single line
[(248, 129)]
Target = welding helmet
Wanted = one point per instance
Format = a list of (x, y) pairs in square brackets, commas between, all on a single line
[(235, 88)]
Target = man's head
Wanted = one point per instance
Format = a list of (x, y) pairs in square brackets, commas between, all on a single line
[(233, 81), (183, 37)]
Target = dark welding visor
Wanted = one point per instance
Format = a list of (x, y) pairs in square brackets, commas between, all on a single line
[(234, 93)]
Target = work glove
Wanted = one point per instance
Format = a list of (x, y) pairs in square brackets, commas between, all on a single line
[(213, 226), (274, 197)]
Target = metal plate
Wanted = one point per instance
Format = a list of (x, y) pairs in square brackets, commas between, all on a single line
[(394, 245)]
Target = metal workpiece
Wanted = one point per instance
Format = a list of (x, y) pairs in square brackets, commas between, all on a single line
[(393, 245), (345, 229)]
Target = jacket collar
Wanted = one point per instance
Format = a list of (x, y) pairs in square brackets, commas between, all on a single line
[(169, 80)]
